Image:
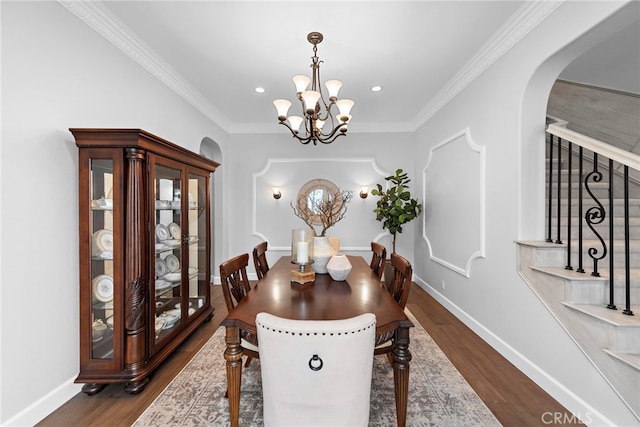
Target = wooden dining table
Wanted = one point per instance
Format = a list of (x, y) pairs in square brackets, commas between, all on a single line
[(322, 299)]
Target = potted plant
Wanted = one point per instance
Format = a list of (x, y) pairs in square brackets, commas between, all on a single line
[(395, 206)]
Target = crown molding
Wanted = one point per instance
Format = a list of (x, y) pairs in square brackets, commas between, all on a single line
[(105, 23), (526, 18)]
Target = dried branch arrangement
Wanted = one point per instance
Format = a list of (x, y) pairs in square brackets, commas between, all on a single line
[(325, 210)]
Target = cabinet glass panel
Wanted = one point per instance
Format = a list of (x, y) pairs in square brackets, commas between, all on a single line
[(102, 286), (168, 250), (198, 282)]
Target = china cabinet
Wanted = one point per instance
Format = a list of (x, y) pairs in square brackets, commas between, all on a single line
[(144, 253)]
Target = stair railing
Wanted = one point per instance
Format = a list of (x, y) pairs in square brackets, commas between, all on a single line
[(568, 144)]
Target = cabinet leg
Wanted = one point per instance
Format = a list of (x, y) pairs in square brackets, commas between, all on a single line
[(135, 387), (93, 388)]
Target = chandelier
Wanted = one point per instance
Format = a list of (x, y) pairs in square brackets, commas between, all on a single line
[(320, 125)]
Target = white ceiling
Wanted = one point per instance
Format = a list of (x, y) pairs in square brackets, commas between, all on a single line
[(215, 52)]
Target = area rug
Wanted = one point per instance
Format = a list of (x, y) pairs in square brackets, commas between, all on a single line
[(438, 394)]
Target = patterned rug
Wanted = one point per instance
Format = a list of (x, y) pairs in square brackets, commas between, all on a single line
[(438, 394)]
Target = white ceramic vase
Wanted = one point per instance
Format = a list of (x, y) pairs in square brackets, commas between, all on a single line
[(323, 250), (339, 267)]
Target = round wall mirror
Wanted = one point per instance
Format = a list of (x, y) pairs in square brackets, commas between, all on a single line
[(312, 195)]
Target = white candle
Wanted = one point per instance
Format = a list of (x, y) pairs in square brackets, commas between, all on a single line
[(303, 252)]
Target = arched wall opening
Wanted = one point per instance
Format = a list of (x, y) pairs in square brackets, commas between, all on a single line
[(211, 150), (533, 116)]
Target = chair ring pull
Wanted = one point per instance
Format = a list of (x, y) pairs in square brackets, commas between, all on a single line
[(315, 363)]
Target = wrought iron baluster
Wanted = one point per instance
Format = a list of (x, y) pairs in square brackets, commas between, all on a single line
[(580, 204), (611, 304), (569, 202), (627, 256), (550, 195), (595, 215), (559, 199)]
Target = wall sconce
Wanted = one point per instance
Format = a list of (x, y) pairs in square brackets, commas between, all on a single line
[(364, 192), (276, 193)]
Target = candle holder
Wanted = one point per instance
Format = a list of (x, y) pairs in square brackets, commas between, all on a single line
[(302, 255)]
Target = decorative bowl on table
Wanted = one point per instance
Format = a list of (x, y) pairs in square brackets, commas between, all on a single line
[(339, 267)]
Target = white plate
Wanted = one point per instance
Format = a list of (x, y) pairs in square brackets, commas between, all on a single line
[(170, 319), (173, 263), (162, 232), (102, 241), (160, 324), (102, 288), (172, 277), (174, 229), (172, 243), (161, 267), (162, 285), (109, 322)]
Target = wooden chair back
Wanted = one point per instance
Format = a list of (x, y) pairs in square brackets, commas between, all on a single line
[(260, 260), (235, 283), (401, 284), (378, 259)]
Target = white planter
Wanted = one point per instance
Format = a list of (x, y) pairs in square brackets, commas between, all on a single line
[(323, 250)]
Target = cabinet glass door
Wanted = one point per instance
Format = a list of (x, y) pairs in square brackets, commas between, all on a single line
[(197, 242), (168, 256), (102, 254)]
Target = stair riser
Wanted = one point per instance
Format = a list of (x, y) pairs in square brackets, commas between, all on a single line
[(624, 340), (587, 261), (602, 229), (618, 210), (581, 292)]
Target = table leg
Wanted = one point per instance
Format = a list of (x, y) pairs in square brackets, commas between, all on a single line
[(401, 359), (233, 356)]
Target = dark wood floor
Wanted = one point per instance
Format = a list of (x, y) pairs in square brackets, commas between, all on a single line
[(512, 397)]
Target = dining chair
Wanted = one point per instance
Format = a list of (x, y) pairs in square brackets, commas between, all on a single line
[(235, 286), (260, 259), (399, 289), (378, 258), (316, 372)]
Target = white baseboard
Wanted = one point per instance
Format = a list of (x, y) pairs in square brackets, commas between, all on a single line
[(555, 389), (44, 406)]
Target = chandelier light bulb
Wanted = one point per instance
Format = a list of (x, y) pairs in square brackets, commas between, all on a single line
[(345, 105), (333, 86), (282, 105), (295, 122), (301, 82), (310, 98)]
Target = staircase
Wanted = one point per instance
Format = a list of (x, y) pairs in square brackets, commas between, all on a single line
[(578, 300)]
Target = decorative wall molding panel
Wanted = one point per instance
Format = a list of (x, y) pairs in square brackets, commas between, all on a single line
[(273, 219), (454, 205)]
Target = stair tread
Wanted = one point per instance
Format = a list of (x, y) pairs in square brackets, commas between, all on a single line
[(634, 274), (613, 317)]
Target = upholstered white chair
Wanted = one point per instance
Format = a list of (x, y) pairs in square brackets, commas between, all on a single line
[(316, 372)]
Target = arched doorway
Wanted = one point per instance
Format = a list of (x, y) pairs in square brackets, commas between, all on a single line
[(211, 150)]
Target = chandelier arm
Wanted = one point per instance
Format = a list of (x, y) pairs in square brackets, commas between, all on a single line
[(329, 141), (295, 135)]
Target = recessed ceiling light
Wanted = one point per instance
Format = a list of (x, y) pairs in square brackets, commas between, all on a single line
[(376, 88), (259, 90)]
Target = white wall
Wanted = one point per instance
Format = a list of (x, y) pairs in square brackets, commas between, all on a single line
[(58, 73), (349, 162), (504, 110)]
